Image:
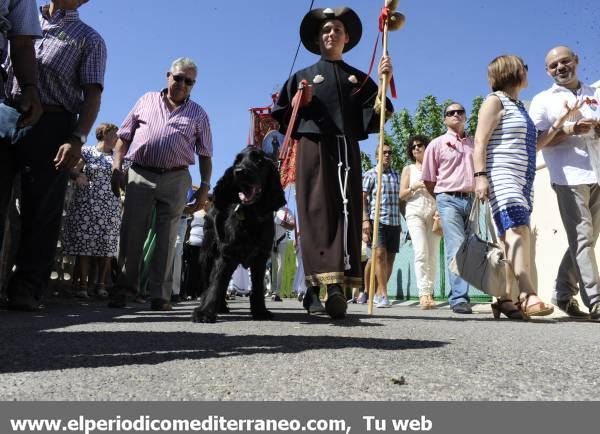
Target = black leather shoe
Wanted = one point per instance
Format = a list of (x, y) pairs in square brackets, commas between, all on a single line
[(336, 303), (160, 305), (21, 297), (462, 308), (595, 311), (276, 297), (25, 303), (571, 308), (311, 301), (117, 301)]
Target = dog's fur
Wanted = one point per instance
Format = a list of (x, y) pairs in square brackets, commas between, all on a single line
[(239, 229)]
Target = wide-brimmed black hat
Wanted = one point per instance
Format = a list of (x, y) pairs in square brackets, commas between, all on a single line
[(309, 28)]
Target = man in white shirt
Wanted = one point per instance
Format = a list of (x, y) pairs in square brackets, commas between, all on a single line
[(573, 162)]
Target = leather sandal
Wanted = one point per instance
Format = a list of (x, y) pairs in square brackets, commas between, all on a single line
[(424, 302), (537, 309), (432, 303), (507, 308)]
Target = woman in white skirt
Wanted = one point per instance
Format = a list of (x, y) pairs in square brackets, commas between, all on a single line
[(420, 215)]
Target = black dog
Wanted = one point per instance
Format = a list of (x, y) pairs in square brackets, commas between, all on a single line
[(239, 229)]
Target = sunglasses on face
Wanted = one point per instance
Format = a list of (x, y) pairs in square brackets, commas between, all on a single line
[(454, 112), (387, 152), (417, 145), (566, 61), (180, 78)]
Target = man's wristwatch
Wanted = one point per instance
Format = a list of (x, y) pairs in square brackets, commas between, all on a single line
[(80, 136)]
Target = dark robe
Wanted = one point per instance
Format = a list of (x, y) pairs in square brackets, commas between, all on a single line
[(328, 130)]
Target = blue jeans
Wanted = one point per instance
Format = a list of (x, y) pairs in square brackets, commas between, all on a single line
[(454, 212)]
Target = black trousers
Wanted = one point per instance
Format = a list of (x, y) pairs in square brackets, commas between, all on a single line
[(191, 271), (42, 195)]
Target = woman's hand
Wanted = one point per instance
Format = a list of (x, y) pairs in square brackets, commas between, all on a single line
[(482, 187), (417, 186), (81, 180)]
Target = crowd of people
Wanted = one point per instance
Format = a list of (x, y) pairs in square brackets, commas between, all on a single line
[(136, 178)]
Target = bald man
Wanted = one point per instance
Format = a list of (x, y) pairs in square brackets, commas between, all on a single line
[(574, 164)]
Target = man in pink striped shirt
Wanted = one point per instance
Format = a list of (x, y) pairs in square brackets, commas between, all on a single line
[(159, 137)]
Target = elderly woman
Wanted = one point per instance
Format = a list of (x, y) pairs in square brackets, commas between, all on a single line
[(504, 162), (420, 214), (336, 112), (94, 216)]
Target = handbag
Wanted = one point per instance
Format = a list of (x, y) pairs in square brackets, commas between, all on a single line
[(481, 263), (436, 225)]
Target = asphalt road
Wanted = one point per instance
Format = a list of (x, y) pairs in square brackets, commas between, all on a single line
[(85, 351)]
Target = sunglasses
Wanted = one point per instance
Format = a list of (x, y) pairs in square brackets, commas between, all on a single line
[(387, 152), (454, 112), (180, 78), (417, 145)]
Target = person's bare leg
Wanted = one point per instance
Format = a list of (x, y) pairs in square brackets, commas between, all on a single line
[(381, 273), (518, 251)]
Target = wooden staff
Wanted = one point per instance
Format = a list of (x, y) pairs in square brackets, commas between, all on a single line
[(391, 21)]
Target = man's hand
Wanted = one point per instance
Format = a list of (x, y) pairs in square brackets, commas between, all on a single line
[(367, 231), (385, 67), (306, 95), (117, 181), (583, 126), (199, 199), (68, 154), (30, 107)]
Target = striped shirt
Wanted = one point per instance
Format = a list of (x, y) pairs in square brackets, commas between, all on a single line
[(69, 55), (389, 213), (163, 139)]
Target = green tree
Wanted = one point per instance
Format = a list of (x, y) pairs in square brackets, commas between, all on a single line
[(472, 122), (365, 161)]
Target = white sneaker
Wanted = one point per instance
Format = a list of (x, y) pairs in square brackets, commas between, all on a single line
[(376, 299), (383, 302)]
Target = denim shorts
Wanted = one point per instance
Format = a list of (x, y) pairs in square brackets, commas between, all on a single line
[(8, 124), (388, 237)]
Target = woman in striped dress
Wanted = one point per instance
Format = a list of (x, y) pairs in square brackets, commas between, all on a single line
[(504, 162)]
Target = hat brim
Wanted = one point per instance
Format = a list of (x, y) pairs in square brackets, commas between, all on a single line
[(309, 28)]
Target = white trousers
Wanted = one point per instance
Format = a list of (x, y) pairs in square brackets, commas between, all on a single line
[(426, 247)]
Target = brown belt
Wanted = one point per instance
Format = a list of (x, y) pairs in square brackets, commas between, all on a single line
[(53, 108), (159, 170)]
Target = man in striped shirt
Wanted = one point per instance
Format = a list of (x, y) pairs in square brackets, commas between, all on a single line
[(71, 60), (160, 136), (388, 242)]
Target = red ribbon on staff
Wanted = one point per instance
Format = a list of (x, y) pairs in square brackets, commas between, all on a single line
[(383, 16)]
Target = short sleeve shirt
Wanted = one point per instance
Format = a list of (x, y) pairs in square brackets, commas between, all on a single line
[(389, 213)]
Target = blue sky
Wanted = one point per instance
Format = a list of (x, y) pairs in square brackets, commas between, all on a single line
[(244, 50)]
